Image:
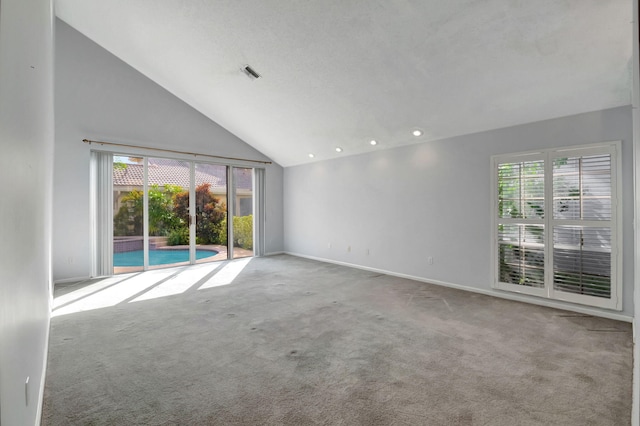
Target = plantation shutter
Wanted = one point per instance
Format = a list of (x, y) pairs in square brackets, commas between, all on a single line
[(582, 225), (556, 224), (521, 229)]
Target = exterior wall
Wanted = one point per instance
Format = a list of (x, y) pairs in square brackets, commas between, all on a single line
[(26, 168), (99, 97), (396, 208)]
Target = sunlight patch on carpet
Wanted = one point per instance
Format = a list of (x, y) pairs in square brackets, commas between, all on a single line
[(180, 283), (87, 290), (117, 293), (227, 274)]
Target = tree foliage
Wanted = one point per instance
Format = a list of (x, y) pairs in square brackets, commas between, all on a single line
[(210, 212), (169, 216), (162, 220), (128, 220)]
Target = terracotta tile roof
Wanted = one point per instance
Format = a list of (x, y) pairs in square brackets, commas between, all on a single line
[(162, 172)]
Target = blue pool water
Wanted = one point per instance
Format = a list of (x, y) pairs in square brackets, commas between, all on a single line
[(158, 257)]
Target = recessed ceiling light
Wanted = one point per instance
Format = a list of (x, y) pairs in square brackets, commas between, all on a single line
[(338, 149), (373, 142), (311, 155), (416, 132)]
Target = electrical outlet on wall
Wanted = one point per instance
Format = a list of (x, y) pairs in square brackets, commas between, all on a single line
[(430, 260), (348, 248)]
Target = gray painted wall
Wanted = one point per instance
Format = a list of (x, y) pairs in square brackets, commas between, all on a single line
[(432, 199), (26, 166), (100, 97)]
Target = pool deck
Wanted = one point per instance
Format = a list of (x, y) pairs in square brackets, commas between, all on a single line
[(222, 255)]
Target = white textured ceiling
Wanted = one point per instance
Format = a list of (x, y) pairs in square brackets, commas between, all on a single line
[(341, 72)]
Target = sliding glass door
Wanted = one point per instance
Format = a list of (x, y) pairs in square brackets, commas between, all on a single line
[(210, 224), (169, 212), (242, 226), (168, 183), (128, 214)]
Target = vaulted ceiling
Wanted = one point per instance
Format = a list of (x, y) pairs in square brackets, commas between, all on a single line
[(339, 73)]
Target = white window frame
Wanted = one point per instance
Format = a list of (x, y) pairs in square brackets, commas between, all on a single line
[(548, 155)]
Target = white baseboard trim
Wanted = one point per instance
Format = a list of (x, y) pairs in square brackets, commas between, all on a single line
[(71, 280), (274, 253), (492, 292)]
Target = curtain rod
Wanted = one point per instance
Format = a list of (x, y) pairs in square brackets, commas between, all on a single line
[(175, 152)]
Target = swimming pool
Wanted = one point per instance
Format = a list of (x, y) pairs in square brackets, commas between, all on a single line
[(158, 257)]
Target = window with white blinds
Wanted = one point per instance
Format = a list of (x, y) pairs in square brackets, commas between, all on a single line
[(521, 227), (570, 252)]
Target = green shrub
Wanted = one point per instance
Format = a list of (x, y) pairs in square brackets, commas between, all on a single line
[(243, 231), (221, 231), (178, 237)]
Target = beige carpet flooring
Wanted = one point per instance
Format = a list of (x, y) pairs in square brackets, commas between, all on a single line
[(287, 341)]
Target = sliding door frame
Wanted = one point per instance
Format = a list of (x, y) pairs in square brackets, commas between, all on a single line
[(231, 210), (259, 211), (102, 214)]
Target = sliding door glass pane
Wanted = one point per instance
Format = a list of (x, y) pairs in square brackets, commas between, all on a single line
[(128, 213), (211, 212), (243, 212), (168, 212)]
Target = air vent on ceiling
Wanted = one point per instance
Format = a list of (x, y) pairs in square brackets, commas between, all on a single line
[(250, 72)]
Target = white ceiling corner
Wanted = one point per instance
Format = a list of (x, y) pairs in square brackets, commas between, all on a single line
[(339, 73)]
